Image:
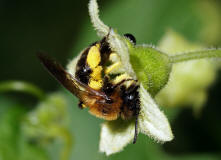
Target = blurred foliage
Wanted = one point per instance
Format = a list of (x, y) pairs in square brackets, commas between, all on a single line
[(189, 81), (18, 86), (63, 29), (13, 144), (48, 122)]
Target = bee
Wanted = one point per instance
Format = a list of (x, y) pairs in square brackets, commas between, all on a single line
[(99, 83)]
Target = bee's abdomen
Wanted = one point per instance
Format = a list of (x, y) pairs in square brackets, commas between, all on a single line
[(83, 71), (90, 66)]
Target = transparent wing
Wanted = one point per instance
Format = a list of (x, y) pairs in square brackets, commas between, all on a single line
[(66, 79)]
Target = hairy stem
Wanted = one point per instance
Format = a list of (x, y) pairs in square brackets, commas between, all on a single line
[(209, 53)]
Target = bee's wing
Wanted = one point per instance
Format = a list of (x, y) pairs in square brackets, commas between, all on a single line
[(66, 79)]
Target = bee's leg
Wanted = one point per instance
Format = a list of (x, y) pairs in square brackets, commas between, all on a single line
[(80, 105), (137, 112), (121, 82), (136, 131), (113, 67)]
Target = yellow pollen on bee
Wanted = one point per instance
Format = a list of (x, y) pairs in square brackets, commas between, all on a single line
[(96, 73), (93, 61), (95, 81), (112, 67), (114, 57), (84, 106), (94, 57), (95, 84)]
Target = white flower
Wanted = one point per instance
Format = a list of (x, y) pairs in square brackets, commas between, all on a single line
[(115, 135)]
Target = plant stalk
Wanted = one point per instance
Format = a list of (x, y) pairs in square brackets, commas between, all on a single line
[(209, 53)]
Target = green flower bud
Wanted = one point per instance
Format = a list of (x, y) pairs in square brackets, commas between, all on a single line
[(151, 66)]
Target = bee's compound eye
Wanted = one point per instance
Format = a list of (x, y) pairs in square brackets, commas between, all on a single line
[(130, 37)]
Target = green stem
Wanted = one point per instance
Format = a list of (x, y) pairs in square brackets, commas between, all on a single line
[(65, 135), (66, 151), (19, 86), (209, 53)]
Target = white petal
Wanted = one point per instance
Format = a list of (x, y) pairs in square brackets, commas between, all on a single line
[(118, 44), (152, 121), (115, 135), (102, 29), (71, 67)]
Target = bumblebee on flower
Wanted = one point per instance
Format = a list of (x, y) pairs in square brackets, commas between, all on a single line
[(117, 80)]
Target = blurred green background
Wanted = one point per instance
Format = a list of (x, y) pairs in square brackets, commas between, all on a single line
[(63, 29)]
